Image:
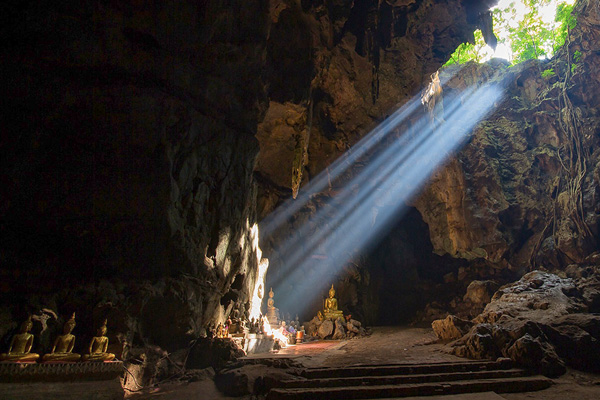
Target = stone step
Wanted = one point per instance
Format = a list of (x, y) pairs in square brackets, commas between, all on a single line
[(405, 369), (501, 385), (401, 379)]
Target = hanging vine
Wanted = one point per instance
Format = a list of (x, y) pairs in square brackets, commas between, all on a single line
[(572, 155), (573, 159)]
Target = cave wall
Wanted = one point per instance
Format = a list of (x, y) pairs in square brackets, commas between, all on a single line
[(132, 138), (503, 204), (523, 193), (364, 61), (128, 151), (356, 63)]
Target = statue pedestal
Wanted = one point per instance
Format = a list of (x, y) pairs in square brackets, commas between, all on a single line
[(80, 390), (258, 343), (73, 380), (59, 371), (333, 315)]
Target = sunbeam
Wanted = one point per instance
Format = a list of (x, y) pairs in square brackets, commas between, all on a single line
[(366, 205)]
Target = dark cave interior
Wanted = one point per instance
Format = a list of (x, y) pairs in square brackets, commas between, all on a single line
[(144, 143)]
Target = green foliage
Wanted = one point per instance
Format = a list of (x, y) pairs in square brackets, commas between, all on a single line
[(530, 38), (574, 68), (576, 60), (566, 20), (548, 73), (468, 51)]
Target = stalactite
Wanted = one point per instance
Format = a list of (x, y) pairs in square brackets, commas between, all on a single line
[(373, 47)]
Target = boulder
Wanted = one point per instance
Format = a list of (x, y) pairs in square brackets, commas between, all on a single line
[(540, 322), (312, 327), (480, 292), (254, 377), (325, 329), (212, 352), (340, 331), (450, 328), (576, 346), (478, 344), (540, 356)]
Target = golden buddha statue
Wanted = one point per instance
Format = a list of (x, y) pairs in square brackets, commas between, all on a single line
[(63, 345), (20, 345), (98, 347), (330, 310), (272, 311)]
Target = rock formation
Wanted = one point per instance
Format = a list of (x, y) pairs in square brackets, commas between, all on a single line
[(543, 322), (142, 143), (132, 134), (129, 150)]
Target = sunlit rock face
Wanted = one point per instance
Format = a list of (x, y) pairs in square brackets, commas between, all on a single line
[(543, 321), (524, 191), (128, 151), (355, 62), (505, 204), (361, 60)]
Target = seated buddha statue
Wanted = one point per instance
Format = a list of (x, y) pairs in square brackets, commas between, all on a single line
[(62, 350), (272, 311), (20, 345), (98, 347), (331, 306)]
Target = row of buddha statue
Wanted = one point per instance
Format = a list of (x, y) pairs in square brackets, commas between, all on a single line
[(330, 308), (62, 349)]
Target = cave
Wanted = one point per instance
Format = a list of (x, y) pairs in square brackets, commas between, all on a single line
[(172, 168)]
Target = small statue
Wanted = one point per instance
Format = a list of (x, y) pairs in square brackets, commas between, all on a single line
[(99, 346), (227, 327), (331, 306), (20, 345), (272, 311), (260, 325), (220, 331), (63, 345)]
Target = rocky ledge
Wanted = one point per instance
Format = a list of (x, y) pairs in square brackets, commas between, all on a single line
[(544, 322)]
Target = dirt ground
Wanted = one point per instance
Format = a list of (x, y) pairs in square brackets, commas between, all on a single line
[(388, 345)]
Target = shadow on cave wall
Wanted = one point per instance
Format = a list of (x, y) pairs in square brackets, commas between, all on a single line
[(405, 274), (388, 285)]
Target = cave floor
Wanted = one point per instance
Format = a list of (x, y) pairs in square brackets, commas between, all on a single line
[(386, 345)]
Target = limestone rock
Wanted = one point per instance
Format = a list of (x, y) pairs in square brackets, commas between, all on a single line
[(576, 338), (312, 327), (325, 329), (539, 322), (340, 331), (533, 353), (212, 352), (142, 177), (450, 328), (479, 344), (480, 292)]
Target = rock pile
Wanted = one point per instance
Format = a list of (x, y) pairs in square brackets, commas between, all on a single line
[(544, 321), (336, 330)]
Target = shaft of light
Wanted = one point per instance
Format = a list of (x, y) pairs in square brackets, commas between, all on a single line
[(345, 226), (371, 141), (383, 163)]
